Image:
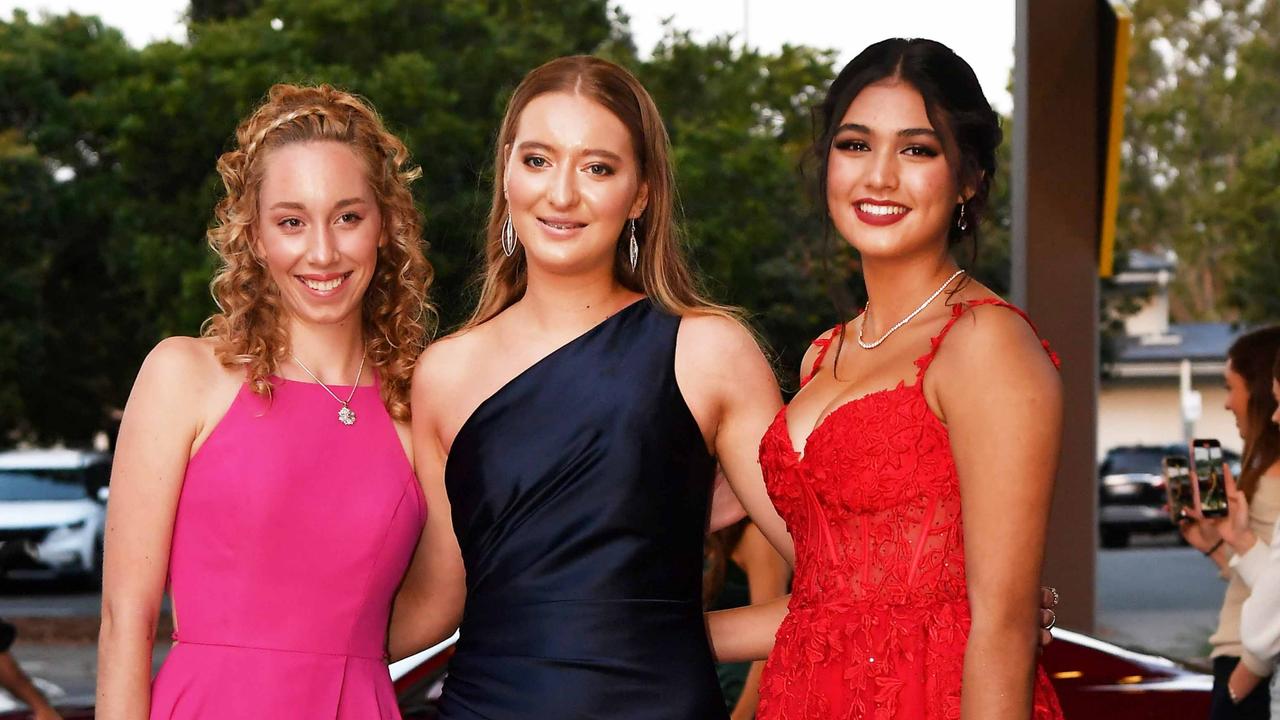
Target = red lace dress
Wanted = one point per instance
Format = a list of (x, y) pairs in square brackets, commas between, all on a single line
[(879, 615)]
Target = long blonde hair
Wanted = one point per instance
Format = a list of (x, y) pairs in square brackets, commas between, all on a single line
[(396, 315), (662, 273)]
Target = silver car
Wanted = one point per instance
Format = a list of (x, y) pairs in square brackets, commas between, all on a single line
[(53, 502)]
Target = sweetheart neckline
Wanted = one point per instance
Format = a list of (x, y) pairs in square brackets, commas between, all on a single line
[(802, 454)]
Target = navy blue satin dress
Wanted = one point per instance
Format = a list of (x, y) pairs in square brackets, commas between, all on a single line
[(580, 492)]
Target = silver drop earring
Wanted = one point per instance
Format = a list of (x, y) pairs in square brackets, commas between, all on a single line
[(635, 246), (961, 223), (508, 236)]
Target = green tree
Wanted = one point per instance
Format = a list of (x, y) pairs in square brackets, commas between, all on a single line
[(1202, 95)]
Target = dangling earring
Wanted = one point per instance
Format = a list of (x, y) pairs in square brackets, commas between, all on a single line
[(961, 223), (508, 236), (635, 247)]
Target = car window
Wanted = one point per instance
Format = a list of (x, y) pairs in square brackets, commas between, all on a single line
[(1131, 461), (42, 485)]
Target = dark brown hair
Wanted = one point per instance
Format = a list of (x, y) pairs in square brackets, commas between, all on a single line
[(953, 101), (1253, 357)]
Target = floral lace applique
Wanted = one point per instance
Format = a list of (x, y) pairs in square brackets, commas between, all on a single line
[(879, 614)]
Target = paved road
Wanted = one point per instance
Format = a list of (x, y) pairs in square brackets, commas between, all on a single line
[(1163, 599), (44, 598)]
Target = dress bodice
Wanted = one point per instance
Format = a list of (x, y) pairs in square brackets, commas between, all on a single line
[(291, 535), (580, 492), (879, 612)]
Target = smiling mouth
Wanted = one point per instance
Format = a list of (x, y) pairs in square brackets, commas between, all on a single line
[(326, 285), (562, 224), (882, 210)]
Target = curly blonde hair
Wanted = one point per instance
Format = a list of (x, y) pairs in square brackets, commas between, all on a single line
[(396, 316)]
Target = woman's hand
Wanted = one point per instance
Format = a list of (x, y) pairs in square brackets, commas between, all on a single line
[(1199, 532), (1234, 528), (1241, 683)]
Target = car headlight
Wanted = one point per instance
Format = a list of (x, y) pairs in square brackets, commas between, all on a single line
[(77, 525), (1120, 485)]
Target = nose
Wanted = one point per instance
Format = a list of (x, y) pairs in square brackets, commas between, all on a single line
[(322, 246), (883, 174), (563, 192)]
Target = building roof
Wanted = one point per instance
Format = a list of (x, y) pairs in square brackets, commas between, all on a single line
[(1145, 261), (1204, 344)]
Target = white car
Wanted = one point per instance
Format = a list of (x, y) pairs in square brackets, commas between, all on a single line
[(54, 500)]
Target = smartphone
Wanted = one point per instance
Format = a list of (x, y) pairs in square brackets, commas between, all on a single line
[(1177, 484), (1209, 486)]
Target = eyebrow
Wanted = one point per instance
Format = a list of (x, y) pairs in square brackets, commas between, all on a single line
[(908, 132), (599, 152), (299, 206)]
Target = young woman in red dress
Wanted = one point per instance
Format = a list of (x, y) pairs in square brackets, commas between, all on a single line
[(915, 467)]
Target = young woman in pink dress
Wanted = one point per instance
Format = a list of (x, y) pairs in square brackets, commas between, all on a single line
[(263, 472), (915, 467)]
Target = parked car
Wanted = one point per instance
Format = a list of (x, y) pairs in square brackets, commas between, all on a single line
[(54, 500), (1094, 680), (1131, 491), (1100, 681)]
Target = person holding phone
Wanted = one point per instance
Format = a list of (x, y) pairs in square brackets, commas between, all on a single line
[(1259, 567), (1239, 687)]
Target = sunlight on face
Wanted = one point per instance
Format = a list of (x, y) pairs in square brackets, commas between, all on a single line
[(890, 189), (1237, 402), (572, 181), (319, 228)]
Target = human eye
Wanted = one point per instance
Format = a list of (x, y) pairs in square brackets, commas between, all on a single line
[(920, 151), (349, 217), (599, 169), (851, 144), (536, 161), (290, 223)]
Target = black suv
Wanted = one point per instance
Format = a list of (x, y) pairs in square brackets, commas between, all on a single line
[(1131, 493)]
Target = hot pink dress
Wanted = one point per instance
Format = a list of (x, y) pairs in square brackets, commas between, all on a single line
[(291, 536)]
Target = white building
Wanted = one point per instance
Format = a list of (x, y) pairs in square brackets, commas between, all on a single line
[(1141, 400)]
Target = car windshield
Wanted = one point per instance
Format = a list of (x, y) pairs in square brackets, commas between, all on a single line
[(42, 485), (1126, 462)]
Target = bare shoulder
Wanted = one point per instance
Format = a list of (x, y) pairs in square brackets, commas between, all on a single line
[(814, 351), (995, 342), (717, 337), (444, 364), (186, 366), (718, 358)]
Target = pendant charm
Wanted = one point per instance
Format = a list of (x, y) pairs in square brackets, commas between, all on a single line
[(347, 416)]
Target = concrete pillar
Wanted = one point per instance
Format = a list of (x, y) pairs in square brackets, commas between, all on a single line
[(1056, 200)]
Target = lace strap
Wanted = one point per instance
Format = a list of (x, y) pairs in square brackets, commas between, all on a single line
[(959, 309), (823, 344)]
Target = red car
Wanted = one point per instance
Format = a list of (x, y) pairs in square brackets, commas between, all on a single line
[(1095, 681)]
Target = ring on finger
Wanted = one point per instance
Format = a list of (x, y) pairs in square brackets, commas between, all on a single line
[(1054, 592), (1053, 620)]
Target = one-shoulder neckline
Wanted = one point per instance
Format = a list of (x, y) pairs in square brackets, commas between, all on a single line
[(493, 397)]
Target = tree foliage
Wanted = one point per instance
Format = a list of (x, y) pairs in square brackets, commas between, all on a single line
[(107, 178), (1203, 104)]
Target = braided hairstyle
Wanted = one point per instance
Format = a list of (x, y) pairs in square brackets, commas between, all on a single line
[(396, 315)]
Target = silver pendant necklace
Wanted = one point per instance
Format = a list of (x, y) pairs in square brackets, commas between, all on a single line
[(905, 320), (346, 415)]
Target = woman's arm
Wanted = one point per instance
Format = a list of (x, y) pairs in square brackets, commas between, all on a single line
[(767, 574), (428, 605), (1002, 401), (730, 387), (156, 434)]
